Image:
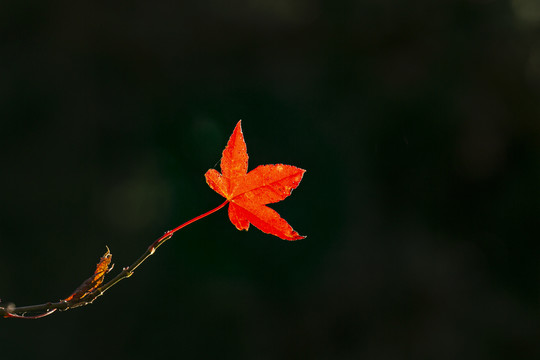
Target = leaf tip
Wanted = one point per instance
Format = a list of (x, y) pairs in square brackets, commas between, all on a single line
[(295, 237), (238, 126)]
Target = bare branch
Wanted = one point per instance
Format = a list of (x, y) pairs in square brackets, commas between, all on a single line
[(91, 288)]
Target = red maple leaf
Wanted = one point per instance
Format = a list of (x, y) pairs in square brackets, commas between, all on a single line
[(248, 192)]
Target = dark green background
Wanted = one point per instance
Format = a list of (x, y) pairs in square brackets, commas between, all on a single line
[(418, 123)]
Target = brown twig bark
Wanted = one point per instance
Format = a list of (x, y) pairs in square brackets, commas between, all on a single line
[(42, 310)]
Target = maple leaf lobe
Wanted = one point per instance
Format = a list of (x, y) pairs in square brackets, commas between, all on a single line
[(237, 218), (218, 183), (270, 183), (234, 160)]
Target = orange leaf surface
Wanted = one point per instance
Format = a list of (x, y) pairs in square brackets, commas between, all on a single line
[(249, 192), (93, 282)]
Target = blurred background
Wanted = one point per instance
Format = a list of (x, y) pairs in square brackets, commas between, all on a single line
[(418, 123)]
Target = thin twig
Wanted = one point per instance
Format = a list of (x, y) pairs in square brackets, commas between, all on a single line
[(46, 309)]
